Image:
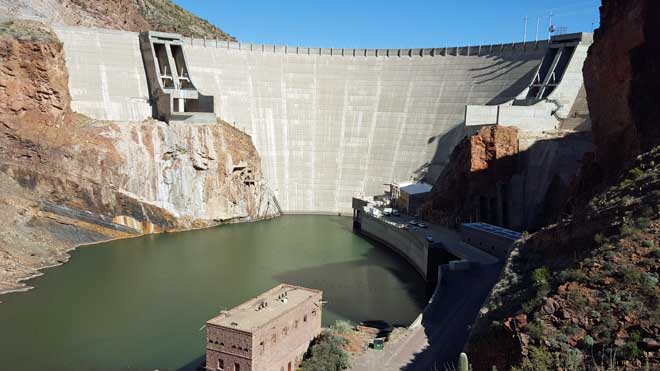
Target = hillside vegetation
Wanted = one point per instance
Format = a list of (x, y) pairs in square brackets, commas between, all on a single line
[(584, 294)]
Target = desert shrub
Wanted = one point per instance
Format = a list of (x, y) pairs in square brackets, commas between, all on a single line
[(629, 229), (572, 359), (572, 275), (643, 223), (631, 275), (647, 243), (535, 330), (539, 359), (572, 330), (342, 327), (589, 341), (630, 349), (326, 354), (541, 276), (655, 253), (636, 173)]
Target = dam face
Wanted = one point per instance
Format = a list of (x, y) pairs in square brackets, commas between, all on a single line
[(329, 124)]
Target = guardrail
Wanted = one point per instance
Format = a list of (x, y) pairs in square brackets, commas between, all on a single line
[(478, 50)]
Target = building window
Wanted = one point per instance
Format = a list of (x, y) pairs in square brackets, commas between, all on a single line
[(237, 367), (274, 338), (305, 318), (295, 324), (285, 330), (221, 365)]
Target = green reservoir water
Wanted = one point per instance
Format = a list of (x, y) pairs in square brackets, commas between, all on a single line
[(140, 304)]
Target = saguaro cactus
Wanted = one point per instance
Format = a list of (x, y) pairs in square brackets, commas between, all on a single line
[(463, 364)]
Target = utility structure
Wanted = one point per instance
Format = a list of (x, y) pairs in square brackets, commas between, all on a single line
[(173, 95), (268, 333)]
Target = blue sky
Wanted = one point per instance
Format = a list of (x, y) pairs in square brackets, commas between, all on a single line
[(391, 24)]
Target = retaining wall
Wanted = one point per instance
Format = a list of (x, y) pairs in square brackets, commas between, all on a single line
[(409, 245)]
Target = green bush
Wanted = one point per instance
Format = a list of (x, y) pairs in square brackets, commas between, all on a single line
[(629, 229), (535, 330), (326, 354), (643, 223), (342, 327), (647, 243), (572, 275), (539, 359), (541, 276), (630, 349)]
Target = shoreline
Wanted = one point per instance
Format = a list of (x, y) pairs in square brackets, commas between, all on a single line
[(65, 253)]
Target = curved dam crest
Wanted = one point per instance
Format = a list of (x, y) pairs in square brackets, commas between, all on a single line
[(329, 124)]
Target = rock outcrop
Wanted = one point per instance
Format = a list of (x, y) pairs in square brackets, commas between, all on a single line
[(516, 179), (127, 15), (475, 167), (621, 76), (69, 180)]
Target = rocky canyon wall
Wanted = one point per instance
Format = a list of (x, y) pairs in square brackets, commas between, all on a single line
[(68, 179), (624, 59)]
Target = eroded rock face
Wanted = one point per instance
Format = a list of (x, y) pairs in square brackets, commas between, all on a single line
[(621, 76), (67, 179), (29, 87), (476, 165)]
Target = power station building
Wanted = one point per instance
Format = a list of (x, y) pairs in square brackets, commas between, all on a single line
[(268, 333), (409, 196)]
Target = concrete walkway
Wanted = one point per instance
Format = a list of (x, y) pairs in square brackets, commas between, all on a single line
[(444, 328)]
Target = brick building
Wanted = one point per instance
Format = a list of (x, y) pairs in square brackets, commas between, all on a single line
[(268, 333)]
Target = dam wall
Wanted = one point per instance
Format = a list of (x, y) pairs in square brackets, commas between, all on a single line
[(329, 124)]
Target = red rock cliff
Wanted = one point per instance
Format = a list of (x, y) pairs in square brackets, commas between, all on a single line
[(621, 75), (477, 163)]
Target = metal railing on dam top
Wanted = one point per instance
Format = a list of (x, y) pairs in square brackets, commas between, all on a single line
[(474, 50), (478, 50)]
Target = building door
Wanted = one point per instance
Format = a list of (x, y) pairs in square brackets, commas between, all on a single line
[(289, 368)]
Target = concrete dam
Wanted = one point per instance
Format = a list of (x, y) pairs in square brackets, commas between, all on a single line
[(329, 124)]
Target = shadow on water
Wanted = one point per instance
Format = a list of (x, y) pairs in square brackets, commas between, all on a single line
[(386, 283), (195, 365)]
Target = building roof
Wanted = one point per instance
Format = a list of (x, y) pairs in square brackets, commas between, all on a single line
[(415, 188), (259, 311), (493, 229)]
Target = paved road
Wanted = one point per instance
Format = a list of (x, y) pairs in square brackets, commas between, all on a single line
[(449, 238), (444, 328)]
